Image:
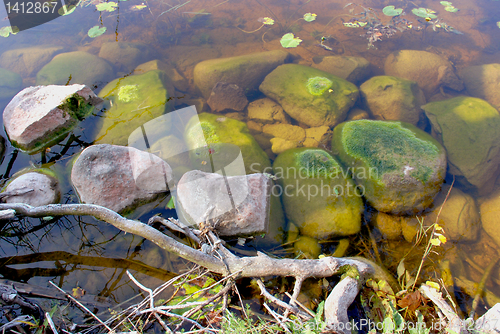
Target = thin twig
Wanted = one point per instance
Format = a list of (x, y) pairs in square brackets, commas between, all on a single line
[(275, 300)]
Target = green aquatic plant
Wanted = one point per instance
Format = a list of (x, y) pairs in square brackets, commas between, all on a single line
[(318, 85), (96, 31), (128, 93), (426, 13), (309, 17), (392, 11), (107, 6), (6, 31), (290, 41)]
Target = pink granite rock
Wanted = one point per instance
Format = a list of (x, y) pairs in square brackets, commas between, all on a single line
[(240, 203)]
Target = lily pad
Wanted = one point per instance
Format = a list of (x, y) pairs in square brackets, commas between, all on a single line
[(392, 11), (446, 3), (107, 6), (309, 17), (267, 21), (424, 12), (290, 41), (6, 31), (66, 10), (451, 9), (498, 24), (96, 31)]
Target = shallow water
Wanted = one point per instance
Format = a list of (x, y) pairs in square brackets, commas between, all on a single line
[(94, 256)]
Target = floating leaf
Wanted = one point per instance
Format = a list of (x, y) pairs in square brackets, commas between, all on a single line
[(96, 31), (309, 17), (6, 31), (451, 9), (433, 285), (107, 6), (171, 203), (77, 292), (267, 21), (498, 24), (392, 11), (290, 41), (66, 10), (424, 12), (435, 242), (137, 7), (446, 3)]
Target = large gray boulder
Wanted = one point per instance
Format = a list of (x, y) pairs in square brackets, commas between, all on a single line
[(38, 117), (393, 99), (482, 82), (28, 61), (120, 178), (44, 184), (429, 70), (239, 204), (246, 71), (75, 67), (310, 96)]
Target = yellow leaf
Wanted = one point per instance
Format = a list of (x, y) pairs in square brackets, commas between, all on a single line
[(77, 292), (435, 242), (442, 238), (268, 21), (438, 227), (433, 285)]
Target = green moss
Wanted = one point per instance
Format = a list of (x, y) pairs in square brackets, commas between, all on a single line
[(386, 147), (318, 163), (349, 271), (318, 85), (128, 93), (76, 106), (209, 133)]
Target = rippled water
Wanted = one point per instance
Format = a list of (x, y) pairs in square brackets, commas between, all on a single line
[(87, 253)]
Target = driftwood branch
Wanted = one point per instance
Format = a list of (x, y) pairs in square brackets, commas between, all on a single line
[(220, 260)]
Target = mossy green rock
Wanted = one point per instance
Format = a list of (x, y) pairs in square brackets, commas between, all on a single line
[(398, 167), (134, 100), (317, 196), (221, 134), (309, 95), (75, 67), (393, 99), (246, 71), (10, 84), (482, 81), (469, 129)]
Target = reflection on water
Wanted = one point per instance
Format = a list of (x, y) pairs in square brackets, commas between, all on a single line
[(86, 253)]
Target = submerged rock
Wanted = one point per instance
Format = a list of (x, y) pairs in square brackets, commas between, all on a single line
[(123, 55), (399, 167), (239, 204), (134, 101), (119, 178), (318, 198), (459, 215), (246, 71), (469, 129), (266, 111), (75, 67), (352, 69), (10, 84), (44, 184), (220, 135), (227, 97), (393, 99), (310, 96), (429, 70), (482, 82), (40, 116), (180, 83), (490, 215), (28, 61)]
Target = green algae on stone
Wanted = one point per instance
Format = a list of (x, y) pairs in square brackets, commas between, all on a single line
[(288, 85), (318, 197), (222, 134), (469, 129), (318, 85), (76, 106), (399, 167), (134, 100)]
